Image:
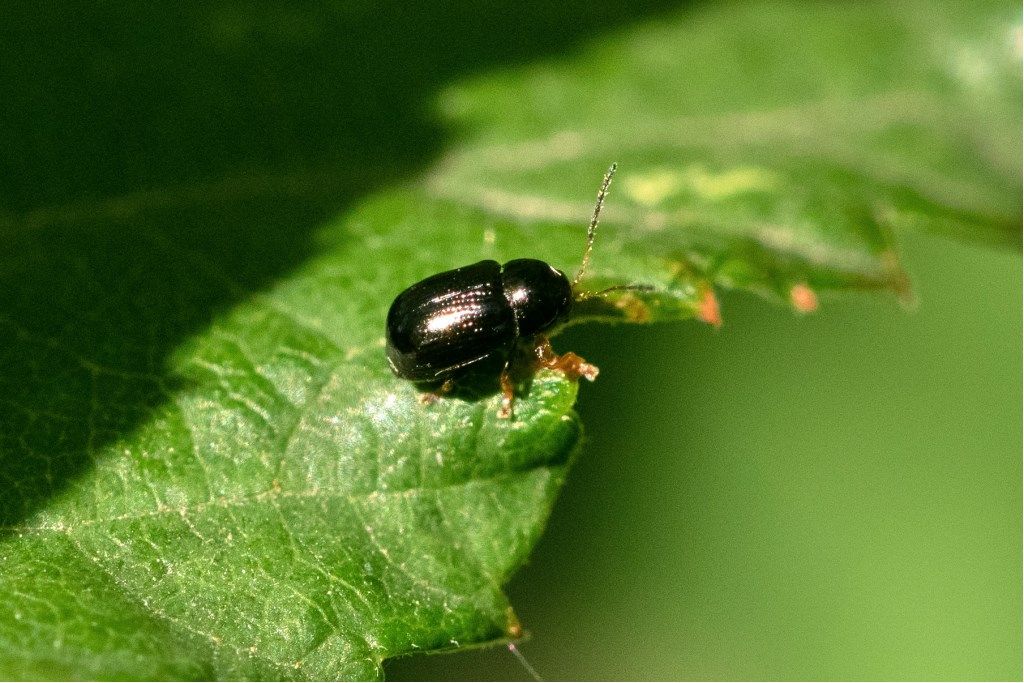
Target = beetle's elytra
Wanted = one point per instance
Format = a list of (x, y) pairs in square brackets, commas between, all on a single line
[(444, 326)]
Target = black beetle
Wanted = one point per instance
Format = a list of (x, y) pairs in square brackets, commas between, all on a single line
[(444, 326)]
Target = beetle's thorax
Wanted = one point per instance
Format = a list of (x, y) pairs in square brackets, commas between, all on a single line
[(540, 295)]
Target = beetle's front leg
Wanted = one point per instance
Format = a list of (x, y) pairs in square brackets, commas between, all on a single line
[(569, 364)]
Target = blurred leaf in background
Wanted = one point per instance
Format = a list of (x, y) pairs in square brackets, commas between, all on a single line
[(208, 471)]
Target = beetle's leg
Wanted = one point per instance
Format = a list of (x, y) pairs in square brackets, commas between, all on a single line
[(569, 364), (508, 393), (431, 397)]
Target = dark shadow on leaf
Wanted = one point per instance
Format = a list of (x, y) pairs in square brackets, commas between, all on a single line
[(483, 379), (477, 384), (158, 165)]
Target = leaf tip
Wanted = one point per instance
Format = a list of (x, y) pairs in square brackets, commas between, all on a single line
[(513, 629), (803, 298), (708, 309), (899, 281)]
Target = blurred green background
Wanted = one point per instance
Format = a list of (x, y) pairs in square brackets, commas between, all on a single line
[(836, 496)]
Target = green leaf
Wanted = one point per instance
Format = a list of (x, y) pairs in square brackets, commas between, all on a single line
[(208, 470)]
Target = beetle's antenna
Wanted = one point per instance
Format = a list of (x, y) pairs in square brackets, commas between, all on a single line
[(593, 223), (619, 288), (585, 296)]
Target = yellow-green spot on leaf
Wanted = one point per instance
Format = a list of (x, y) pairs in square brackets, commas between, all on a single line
[(727, 183), (651, 188)]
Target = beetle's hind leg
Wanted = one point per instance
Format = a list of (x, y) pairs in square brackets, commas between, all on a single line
[(429, 398), (570, 364)]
